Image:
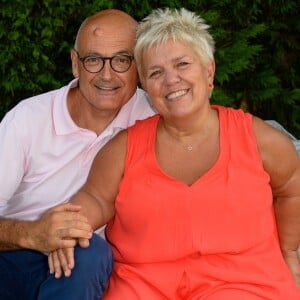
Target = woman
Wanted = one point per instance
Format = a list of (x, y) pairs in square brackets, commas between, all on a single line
[(189, 193)]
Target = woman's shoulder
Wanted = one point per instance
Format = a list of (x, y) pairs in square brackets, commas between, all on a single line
[(277, 151), (146, 123)]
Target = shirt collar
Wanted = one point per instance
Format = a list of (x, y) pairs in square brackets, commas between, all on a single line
[(62, 120), (64, 124)]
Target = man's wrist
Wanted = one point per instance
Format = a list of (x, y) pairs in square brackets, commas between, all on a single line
[(26, 235)]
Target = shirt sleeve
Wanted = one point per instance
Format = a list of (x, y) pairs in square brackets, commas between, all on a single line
[(12, 158)]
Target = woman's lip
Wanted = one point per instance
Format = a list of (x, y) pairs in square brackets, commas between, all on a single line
[(177, 94)]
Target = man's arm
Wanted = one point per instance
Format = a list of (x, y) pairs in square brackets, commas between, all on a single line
[(58, 228)]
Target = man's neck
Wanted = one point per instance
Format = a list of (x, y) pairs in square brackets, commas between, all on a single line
[(87, 117)]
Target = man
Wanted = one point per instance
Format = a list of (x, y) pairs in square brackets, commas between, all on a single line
[(48, 143)]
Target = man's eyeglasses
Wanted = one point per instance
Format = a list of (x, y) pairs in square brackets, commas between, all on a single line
[(94, 63)]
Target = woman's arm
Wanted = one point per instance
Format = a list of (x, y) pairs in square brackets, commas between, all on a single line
[(281, 161), (96, 198)]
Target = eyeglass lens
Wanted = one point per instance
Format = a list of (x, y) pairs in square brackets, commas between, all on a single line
[(119, 63)]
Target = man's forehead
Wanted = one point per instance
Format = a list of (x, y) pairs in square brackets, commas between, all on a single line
[(114, 32), (114, 21), (107, 42)]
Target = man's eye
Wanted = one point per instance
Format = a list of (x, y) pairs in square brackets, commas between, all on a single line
[(92, 60), (121, 60)]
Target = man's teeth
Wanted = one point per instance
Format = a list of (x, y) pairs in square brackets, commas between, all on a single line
[(176, 94), (106, 88)]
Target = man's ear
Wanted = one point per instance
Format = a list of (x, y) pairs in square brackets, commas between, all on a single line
[(74, 59)]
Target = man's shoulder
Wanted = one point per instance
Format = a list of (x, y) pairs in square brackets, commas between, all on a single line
[(141, 105), (140, 100), (137, 108), (32, 109), (39, 102)]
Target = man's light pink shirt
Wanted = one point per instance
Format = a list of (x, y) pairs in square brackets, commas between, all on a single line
[(45, 157)]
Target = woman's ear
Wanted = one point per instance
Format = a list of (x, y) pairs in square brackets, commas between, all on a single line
[(211, 68)]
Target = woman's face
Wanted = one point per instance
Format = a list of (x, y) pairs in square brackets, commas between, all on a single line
[(175, 79)]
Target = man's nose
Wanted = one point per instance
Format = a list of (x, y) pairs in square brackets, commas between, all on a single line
[(107, 71)]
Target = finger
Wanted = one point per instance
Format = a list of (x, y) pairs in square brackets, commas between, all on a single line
[(74, 216), (83, 232), (65, 243), (50, 263), (56, 265), (63, 262), (83, 243), (62, 229), (70, 257), (61, 217), (67, 207), (78, 222)]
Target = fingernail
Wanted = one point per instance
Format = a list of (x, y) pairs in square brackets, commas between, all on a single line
[(67, 273)]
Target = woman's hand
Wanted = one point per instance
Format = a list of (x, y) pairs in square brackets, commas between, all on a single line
[(61, 261), (292, 260)]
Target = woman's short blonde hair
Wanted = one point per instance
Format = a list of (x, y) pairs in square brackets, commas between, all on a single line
[(179, 25)]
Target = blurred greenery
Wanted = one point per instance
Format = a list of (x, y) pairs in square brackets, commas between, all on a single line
[(257, 52)]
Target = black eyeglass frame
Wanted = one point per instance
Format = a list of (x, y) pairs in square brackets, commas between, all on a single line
[(104, 59)]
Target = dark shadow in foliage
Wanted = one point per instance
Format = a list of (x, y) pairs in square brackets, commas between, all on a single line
[(257, 46)]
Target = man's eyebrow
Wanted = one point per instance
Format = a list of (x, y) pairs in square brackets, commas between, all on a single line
[(92, 53)]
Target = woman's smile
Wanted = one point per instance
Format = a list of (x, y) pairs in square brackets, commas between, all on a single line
[(177, 94)]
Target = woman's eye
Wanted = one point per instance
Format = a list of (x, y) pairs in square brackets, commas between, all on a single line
[(154, 74), (182, 64)]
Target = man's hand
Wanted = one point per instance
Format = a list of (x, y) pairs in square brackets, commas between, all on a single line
[(58, 228)]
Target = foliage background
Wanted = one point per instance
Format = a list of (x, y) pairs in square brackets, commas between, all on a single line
[(257, 53)]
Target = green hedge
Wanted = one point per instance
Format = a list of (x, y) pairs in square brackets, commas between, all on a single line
[(257, 49)]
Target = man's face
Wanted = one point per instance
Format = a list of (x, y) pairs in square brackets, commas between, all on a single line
[(106, 90)]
